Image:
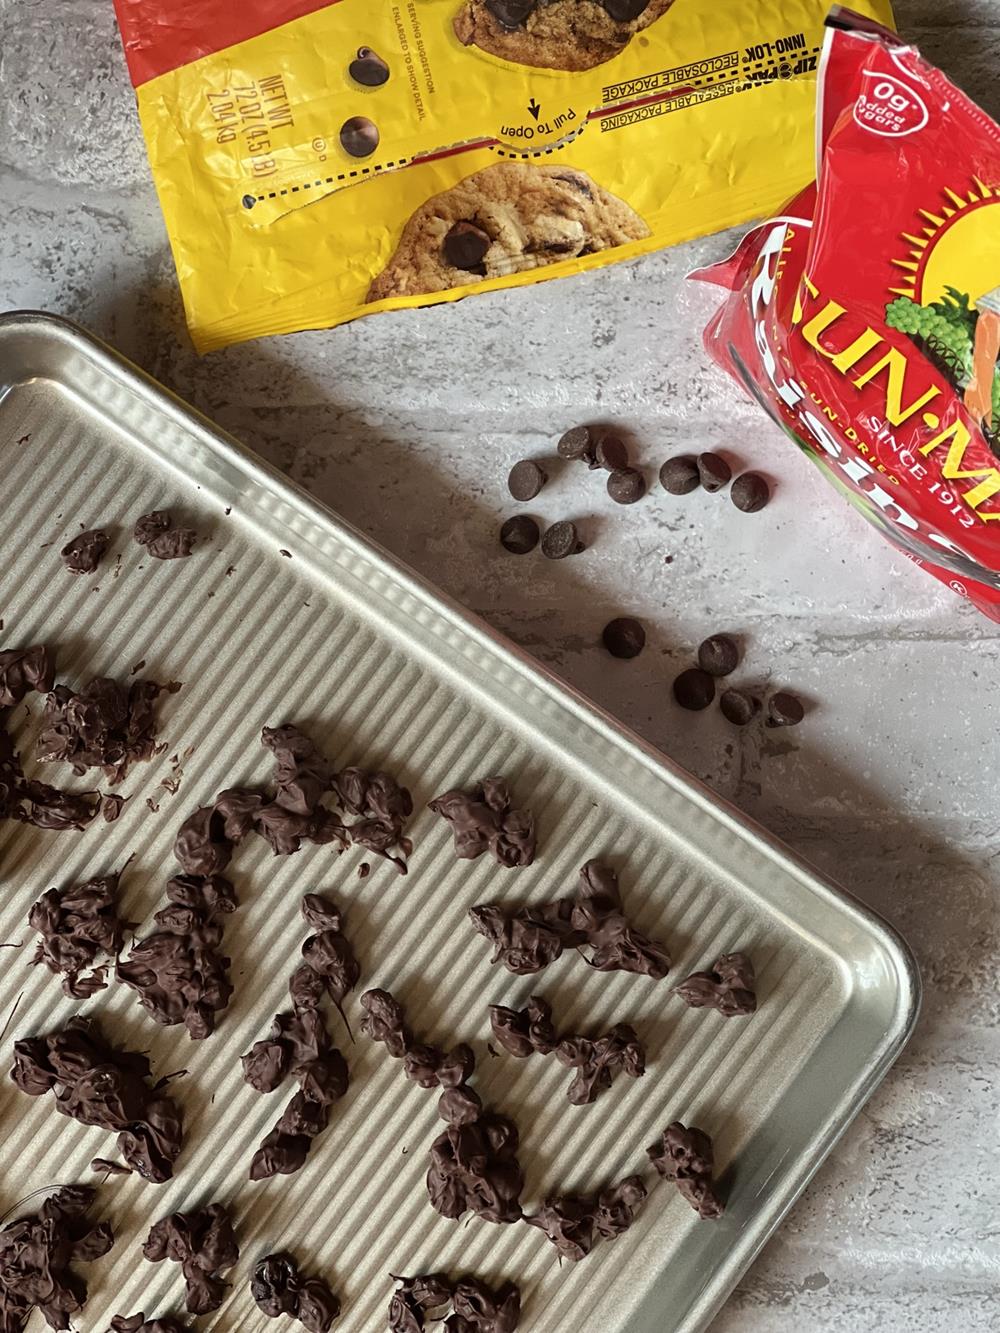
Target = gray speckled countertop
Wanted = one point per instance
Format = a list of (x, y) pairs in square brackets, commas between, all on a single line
[(407, 424)]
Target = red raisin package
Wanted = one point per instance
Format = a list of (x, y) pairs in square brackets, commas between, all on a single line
[(866, 320)]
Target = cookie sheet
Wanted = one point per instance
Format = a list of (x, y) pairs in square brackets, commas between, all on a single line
[(383, 671)]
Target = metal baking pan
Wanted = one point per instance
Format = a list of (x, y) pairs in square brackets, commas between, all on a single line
[(384, 671)]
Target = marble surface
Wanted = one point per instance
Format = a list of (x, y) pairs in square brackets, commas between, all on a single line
[(407, 424)]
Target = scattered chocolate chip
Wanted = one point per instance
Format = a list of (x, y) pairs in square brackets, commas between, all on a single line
[(526, 940), (511, 13), (35, 1256), (561, 540), (178, 972), (162, 538), (105, 725), (484, 818), (694, 689), (204, 1244), (526, 480), (23, 670), (611, 454), (367, 68), (750, 493), (739, 707), (576, 443), (714, 472), (626, 486), (575, 1223), (719, 655), (685, 1156), (364, 870), (286, 554), (729, 986), (624, 637), (519, 535), (359, 136), (77, 925), (680, 476), (84, 553), (99, 1084), (465, 246), (278, 1288), (784, 710)]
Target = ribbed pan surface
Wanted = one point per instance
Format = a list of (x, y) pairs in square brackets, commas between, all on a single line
[(382, 674)]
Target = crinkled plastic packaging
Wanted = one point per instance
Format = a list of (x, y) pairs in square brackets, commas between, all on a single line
[(319, 161), (866, 319)]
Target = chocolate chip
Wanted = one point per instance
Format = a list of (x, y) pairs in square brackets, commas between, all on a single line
[(694, 689), (626, 485), (466, 245), (625, 11), (511, 13), (561, 540), (784, 710), (714, 472), (750, 493), (611, 453), (526, 479), (624, 637), (719, 655), (359, 136), (519, 535), (576, 443), (368, 68), (739, 707), (680, 476)]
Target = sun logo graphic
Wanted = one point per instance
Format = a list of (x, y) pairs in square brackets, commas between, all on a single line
[(949, 301)]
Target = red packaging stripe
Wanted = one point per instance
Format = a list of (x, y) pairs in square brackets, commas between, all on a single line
[(162, 35)]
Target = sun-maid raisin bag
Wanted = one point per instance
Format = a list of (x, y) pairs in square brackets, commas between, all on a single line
[(866, 320)]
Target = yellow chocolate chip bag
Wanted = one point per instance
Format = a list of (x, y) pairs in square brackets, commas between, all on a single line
[(320, 161)]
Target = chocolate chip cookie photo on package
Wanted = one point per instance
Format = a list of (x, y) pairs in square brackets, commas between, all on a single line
[(367, 157), (510, 218), (556, 34)]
